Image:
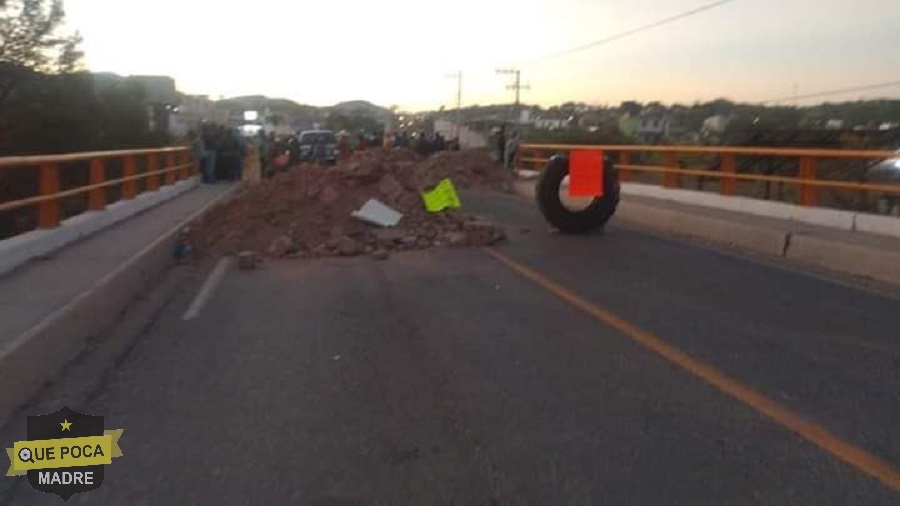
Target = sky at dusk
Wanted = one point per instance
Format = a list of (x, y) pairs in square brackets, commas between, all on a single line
[(400, 52)]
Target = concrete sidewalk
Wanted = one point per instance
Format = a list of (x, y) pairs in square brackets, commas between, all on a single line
[(50, 307), (872, 256)]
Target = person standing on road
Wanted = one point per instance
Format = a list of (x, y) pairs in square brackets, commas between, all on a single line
[(512, 145), (242, 153), (344, 145), (209, 153), (440, 143), (262, 149), (501, 144), (199, 150), (229, 155), (221, 145), (294, 154)]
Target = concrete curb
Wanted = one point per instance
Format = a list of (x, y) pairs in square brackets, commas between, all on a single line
[(39, 354), (822, 217), (881, 225), (751, 237), (846, 257)]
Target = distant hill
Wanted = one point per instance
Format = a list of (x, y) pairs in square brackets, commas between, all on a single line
[(361, 107), (290, 108), (277, 105)]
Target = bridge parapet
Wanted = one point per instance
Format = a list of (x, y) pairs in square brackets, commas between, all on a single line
[(48, 180)]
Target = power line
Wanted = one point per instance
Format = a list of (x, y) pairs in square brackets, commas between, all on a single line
[(633, 31), (866, 87)]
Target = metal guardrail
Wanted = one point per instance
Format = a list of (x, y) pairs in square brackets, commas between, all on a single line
[(176, 165), (806, 180)]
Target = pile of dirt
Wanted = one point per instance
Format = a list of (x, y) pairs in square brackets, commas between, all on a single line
[(306, 212), (470, 168)]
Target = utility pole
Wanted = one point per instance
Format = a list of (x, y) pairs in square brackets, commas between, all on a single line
[(458, 76), (516, 86)]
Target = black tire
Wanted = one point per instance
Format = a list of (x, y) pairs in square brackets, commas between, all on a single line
[(586, 220)]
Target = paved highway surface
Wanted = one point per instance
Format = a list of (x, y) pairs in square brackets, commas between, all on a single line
[(613, 369)]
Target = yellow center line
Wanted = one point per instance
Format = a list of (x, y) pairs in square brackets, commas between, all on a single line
[(862, 460)]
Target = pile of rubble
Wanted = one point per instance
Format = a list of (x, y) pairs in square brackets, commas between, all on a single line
[(307, 211), (467, 169)]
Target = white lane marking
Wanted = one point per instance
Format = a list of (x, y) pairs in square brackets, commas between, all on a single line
[(215, 277)]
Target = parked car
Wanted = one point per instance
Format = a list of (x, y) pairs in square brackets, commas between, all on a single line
[(324, 138)]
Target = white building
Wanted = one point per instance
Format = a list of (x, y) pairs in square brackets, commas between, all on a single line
[(715, 125), (655, 127), (468, 139), (551, 122)]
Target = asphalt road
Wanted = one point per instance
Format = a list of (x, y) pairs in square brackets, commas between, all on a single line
[(447, 377)]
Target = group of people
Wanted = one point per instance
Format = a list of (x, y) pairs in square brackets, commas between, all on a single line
[(220, 152), (421, 143)]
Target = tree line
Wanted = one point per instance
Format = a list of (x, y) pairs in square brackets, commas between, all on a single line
[(48, 103)]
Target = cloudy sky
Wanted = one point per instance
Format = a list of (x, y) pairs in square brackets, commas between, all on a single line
[(398, 52)]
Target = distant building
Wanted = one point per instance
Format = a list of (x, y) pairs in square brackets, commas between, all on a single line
[(715, 125), (651, 128), (468, 138), (552, 122), (598, 117), (525, 117), (654, 127), (834, 124), (278, 124)]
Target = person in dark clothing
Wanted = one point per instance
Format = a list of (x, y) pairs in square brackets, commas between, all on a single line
[(501, 143), (294, 150), (230, 154), (439, 143), (207, 135), (199, 149), (423, 146), (218, 140), (262, 151)]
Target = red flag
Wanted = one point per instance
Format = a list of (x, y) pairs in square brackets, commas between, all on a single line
[(586, 173)]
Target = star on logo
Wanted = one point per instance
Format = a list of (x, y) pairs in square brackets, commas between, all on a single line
[(66, 425)]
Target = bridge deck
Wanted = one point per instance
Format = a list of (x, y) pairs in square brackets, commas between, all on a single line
[(446, 377)]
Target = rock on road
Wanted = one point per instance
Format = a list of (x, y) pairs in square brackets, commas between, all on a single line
[(446, 378)]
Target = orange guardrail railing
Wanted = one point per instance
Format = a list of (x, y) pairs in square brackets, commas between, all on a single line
[(806, 179), (156, 167)]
